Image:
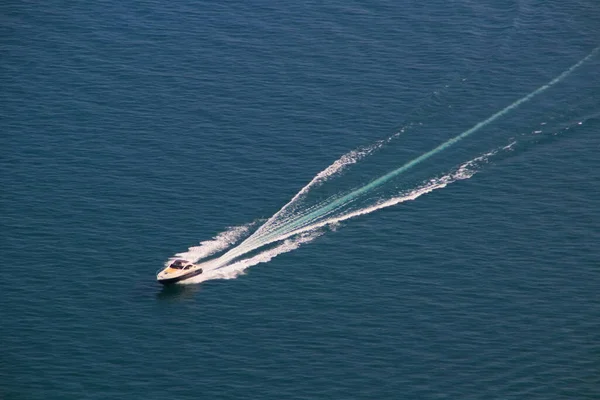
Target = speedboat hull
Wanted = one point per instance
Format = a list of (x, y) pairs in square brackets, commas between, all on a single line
[(177, 271), (179, 278)]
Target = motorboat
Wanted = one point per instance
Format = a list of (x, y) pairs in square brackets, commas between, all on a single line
[(178, 270)]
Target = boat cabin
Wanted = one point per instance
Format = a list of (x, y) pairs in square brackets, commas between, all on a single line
[(181, 264)]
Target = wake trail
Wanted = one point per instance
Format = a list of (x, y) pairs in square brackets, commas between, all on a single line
[(262, 237), (333, 170), (294, 226), (465, 171), (218, 243), (237, 268), (293, 240)]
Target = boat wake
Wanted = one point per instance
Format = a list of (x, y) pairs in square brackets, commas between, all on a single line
[(301, 221), (216, 269), (220, 242)]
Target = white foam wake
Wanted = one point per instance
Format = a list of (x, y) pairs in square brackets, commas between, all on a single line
[(336, 168), (464, 171), (291, 241), (218, 243), (299, 225), (237, 268), (283, 225)]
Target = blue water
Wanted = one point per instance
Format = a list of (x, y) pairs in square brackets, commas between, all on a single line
[(131, 132)]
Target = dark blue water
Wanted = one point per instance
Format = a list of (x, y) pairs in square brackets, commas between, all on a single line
[(131, 131)]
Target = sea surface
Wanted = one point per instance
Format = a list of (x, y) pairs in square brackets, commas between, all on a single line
[(132, 131)]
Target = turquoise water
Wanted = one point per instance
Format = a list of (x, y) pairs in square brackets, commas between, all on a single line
[(134, 131)]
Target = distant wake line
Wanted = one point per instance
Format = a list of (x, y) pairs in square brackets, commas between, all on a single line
[(288, 223)]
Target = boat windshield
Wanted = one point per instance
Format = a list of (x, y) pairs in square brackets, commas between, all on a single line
[(177, 264)]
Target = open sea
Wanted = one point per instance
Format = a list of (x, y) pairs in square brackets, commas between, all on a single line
[(394, 199)]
